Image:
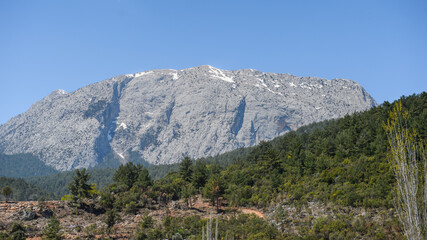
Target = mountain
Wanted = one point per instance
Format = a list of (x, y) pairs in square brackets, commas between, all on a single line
[(163, 115)]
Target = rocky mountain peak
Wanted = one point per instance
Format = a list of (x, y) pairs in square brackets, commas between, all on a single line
[(164, 115)]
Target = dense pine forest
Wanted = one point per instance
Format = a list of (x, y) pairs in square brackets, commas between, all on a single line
[(23, 191), (340, 163), (29, 166)]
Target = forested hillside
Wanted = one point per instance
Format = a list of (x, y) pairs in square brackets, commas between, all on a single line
[(58, 183), (341, 161), (23, 191), (23, 165)]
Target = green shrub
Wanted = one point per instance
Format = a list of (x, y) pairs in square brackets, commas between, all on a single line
[(51, 231)]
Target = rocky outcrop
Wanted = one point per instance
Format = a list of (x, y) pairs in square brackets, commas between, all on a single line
[(165, 115)]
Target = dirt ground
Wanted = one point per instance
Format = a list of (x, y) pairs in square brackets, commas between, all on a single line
[(82, 224)]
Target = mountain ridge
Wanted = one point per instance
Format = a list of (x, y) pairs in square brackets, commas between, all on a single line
[(166, 114)]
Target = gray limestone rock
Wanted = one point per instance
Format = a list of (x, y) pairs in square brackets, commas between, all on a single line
[(165, 115), (27, 215)]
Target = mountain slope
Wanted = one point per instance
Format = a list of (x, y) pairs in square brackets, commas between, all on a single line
[(164, 115)]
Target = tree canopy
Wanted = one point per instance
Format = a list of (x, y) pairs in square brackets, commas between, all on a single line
[(6, 191), (80, 187)]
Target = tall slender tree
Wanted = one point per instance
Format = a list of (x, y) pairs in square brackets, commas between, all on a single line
[(406, 159)]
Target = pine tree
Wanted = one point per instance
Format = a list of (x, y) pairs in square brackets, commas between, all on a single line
[(127, 174), (188, 190), (200, 175), (186, 169), (144, 180), (79, 187), (111, 219), (6, 191)]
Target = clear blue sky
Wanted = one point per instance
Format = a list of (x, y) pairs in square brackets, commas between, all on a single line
[(48, 45)]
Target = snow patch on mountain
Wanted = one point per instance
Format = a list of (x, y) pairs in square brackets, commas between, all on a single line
[(218, 73)]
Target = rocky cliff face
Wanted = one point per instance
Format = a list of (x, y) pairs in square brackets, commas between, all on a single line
[(165, 115)]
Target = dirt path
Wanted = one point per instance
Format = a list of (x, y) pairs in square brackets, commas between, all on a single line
[(250, 211)]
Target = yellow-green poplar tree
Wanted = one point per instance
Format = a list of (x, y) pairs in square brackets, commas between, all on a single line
[(407, 160)]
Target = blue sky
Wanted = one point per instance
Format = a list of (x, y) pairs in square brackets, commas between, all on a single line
[(48, 45)]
